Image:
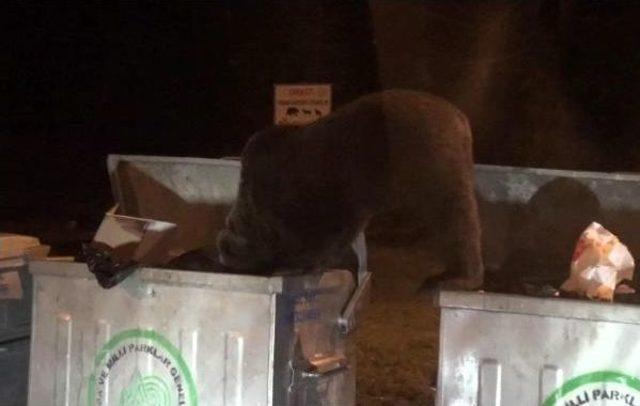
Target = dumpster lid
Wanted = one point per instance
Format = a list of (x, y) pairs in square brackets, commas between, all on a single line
[(193, 193), (545, 307)]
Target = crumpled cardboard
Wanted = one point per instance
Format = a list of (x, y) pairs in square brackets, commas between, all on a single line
[(145, 241), (124, 243), (599, 263)]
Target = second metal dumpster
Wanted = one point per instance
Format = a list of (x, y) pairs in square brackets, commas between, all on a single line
[(498, 349)]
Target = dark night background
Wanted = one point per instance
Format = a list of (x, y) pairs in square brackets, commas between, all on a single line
[(545, 83)]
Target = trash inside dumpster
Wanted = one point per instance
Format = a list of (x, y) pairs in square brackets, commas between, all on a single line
[(168, 336), (505, 349), (599, 264), (123, 243)]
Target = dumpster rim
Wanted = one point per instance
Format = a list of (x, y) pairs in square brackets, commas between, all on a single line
[(520, 170), (287, 284), (165, 276), (536, 306)]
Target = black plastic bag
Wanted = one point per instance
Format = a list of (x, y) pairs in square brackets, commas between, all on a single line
[(109, 271)]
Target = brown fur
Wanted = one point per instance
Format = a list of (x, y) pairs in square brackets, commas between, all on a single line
[(305, 193)]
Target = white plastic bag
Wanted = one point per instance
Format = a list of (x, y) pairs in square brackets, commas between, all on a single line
[(600, 261)]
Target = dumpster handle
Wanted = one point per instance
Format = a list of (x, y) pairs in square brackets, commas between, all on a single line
[(347, 319), (325, 367)]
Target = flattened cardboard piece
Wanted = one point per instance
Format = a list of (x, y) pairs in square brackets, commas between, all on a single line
[(15, 245), (61, 259), (145, 241), (16, 250), (37, 252)]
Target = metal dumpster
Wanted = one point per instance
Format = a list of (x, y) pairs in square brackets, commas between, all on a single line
[(15, 328), (15, 313), (14, 372), (499, 349), (172, 337)]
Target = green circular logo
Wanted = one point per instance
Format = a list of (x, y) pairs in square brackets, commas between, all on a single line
[(597, 388), (141, 368), (150, 390)]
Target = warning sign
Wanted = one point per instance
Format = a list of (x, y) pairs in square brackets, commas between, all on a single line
[(301, 104)]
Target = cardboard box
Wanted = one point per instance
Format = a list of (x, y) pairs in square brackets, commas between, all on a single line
[(146, 241)]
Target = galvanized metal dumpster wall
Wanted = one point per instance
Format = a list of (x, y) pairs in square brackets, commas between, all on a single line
[(15, 314), (14, 372), (15, 328), (232, 339), (514, 350)]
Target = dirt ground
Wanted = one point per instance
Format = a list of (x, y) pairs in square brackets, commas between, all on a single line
[(397, 335)]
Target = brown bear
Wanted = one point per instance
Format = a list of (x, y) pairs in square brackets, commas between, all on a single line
[(305, 193)]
